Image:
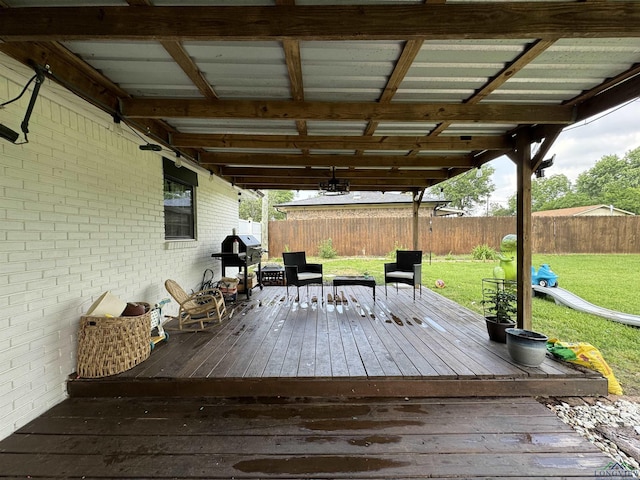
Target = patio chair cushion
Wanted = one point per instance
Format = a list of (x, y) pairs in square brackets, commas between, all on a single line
[(309, 276), (400, 274)]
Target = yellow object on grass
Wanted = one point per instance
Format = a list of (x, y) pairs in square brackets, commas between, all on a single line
[(586, 355)]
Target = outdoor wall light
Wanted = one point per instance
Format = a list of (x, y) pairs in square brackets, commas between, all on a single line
[(151, 147), (6, 132), (544, 164)]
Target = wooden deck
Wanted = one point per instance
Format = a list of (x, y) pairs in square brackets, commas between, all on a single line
[(375, 438), (273, 345), (307, 389)]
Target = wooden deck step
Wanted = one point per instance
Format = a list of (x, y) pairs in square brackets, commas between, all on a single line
[(382, 438)]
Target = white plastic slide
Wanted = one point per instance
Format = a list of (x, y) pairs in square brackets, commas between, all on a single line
[(565, 297)]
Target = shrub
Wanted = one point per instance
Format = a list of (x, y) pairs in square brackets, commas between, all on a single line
[(326, 250), (483, 252), (396, 246)]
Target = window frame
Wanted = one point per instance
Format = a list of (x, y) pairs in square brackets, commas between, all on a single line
[(179, 221)]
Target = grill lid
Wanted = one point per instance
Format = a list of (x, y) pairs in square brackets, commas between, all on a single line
[(245, 242)]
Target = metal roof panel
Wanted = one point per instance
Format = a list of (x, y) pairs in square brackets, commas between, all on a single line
[(234, 126), (347, 71)]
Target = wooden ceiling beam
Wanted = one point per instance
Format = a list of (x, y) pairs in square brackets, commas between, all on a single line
[(501, 78), (612, 82), (498, 20), (68, 70), (338, 142), (294, 68), (182, 58), (326, 174), (314, 187), (623, 92), (295, 183), (390, 161), (179, 54), (532, 52), (334, 111), (409, 53)]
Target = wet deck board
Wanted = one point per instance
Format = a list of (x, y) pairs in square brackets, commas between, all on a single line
[(383, 438), (274, 338)]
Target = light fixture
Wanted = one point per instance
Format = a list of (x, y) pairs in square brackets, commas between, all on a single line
[(544, 164), (478, 173), (151, 147), (6, 132), (147, 147), (334, 186), (117, 124)]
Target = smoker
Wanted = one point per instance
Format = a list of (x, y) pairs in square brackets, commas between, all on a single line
[(241, 251)]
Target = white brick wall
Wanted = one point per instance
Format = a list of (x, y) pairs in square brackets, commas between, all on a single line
[(81, 212)]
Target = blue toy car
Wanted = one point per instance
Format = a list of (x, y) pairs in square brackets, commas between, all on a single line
[(544, 276)]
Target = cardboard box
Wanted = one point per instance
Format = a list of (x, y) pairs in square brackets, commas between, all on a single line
[(107, 304), (229, 288), (251, 280)]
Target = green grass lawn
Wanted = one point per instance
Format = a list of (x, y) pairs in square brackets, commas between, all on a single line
[(610, 281)]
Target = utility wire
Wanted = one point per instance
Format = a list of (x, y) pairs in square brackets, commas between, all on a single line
[(573, 127), (2, 105)]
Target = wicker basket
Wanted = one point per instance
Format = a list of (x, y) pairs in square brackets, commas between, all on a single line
[(110, 345)]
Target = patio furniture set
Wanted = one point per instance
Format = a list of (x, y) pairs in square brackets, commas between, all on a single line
[(207, 306), (406, 269)]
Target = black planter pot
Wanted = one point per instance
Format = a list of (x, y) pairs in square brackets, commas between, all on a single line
[(496, 330)]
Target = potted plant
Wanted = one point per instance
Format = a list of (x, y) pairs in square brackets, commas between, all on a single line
[(500, 304)]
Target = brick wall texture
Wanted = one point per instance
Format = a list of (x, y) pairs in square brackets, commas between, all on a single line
[(81, 212), (356, 211)]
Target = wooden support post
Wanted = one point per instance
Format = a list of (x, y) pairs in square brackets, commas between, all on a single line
[(264, 227), (417, 200), (523, 228)]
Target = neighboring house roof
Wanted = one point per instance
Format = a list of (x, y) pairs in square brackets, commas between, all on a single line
[(354, 198), (367, 198), (589, 210)]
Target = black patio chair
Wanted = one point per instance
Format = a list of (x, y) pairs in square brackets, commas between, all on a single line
[(298, 272), (406, 269)]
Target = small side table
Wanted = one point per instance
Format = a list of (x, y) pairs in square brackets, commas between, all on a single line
[(272, 275), (355, 280)]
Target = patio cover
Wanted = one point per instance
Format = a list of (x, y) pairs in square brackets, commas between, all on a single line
[(397, 96)]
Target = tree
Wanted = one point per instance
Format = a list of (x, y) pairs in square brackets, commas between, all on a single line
[(252, 209), (468, 190), (625, 198), (613, 181), (547, 190), (546, 194), (497, 210), (593, 182)]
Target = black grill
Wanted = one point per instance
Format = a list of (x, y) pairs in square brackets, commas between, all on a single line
[(249, 253)]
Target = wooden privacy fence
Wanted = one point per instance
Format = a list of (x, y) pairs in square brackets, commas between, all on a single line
[(444, 235)]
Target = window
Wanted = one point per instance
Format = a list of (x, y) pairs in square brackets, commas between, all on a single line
[(179, 202)]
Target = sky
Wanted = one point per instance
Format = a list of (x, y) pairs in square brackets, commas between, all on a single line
[(578, 148)]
